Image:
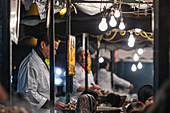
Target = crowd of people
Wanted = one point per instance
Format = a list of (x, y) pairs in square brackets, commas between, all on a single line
[(33, 87)]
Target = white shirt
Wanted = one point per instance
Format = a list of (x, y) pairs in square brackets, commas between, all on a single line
[(104, 80), (79, 80), (34, 80)]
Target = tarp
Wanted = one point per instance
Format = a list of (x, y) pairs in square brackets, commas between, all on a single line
[(85, 23)]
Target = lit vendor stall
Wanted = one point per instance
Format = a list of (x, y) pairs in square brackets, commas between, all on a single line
[(90, 20), (111, 38)]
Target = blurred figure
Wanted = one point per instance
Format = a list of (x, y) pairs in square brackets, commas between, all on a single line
[(18, 103), (136, 106), (3, 94), (104, 78), (145, 94), (79, 78), (161, 103), (86, 104), (147, 107)]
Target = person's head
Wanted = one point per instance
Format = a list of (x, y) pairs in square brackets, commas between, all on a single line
[(44, 45), (161, 103), (81, 56), (145, 94), (105, 64), (136, 106)]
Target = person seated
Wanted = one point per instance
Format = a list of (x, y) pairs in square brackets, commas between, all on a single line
[(146, 94), (104, 78), (79, 77), (161, 100)]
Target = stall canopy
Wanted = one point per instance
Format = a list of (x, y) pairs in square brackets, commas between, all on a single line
[(86, 20)]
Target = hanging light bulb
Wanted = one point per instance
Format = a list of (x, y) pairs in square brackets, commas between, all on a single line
[(122, 25), (101, 60), (138, 30), (103, 24), (117, 13), (135, 57), (139, 65), (112, 21), (140, 51), (131, 44), (131, 38), (133, 68)]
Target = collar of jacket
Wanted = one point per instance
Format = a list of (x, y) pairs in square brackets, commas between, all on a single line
[(37, 50)]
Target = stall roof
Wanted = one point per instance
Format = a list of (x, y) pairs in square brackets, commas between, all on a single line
[(83, 22)]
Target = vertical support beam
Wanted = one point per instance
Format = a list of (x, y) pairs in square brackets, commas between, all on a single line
[(69, 79), (6, 46), (161, 42), (97, 62), (52, 57), (86, 54), (112, 68)]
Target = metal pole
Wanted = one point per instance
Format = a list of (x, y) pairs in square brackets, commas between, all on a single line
[(6, 47), (97, 63), (51, 35), (69, 78), (112, 68), (86, 54), (161, 42)]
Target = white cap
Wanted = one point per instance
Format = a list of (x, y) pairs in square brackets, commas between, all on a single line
[(80, 49)]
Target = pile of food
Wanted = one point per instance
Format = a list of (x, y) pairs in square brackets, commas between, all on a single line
[(71, 105), (103, 92), (13, 109)]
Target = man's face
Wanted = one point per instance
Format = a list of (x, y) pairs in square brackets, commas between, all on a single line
[(46, 49), (81, 58), (149, 100)]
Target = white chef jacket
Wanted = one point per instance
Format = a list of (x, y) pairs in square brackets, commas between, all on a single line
[(104, 80), (79, 80), (34, 80)]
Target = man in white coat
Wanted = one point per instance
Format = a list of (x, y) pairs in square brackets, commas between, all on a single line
[(104, 78), (79, 77), (34, 77)]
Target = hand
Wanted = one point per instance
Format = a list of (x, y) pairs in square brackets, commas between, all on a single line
[(131, 87), (59, 105), (95, 87)]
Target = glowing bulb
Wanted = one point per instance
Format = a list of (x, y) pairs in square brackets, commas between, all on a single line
[(140, 51), (103, 25), (135, 57), (117, 13), (122, 25), (112, 21), (131, 44), (63, 11), (58, 71), (57, 3), (58, 81), (139, 65), (131, 38), (138, 30), (133, 68), (101, 60)]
